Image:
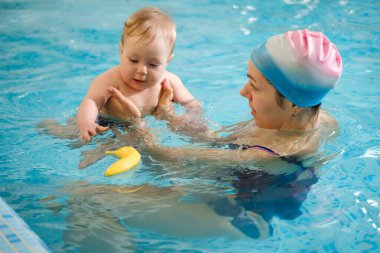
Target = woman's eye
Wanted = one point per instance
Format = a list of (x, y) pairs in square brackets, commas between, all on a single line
[(253, 86)]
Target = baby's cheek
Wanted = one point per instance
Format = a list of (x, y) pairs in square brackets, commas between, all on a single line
[(157, 74)]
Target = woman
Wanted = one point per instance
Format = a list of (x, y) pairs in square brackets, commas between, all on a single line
[(288, 77)]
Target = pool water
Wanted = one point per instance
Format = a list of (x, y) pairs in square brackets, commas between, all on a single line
[(50, 51)]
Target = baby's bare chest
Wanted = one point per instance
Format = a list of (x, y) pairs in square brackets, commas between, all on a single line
[(145, 101)]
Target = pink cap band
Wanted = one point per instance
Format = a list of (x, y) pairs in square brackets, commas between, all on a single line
[(316, 51)]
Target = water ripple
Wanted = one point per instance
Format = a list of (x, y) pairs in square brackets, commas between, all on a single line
[(373, 152), (369, 208)]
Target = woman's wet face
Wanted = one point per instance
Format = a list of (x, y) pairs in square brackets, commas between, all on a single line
[(261, 96)]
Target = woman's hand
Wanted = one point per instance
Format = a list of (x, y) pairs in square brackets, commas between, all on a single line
[(130, 110), (191, 122), (165, 107)]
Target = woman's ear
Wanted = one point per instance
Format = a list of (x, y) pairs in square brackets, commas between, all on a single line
[(296, 110), (170, 58)]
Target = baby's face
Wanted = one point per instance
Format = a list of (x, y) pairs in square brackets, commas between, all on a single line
[(143, 62)]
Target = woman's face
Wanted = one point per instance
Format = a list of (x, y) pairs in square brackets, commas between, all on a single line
[(261, 96)]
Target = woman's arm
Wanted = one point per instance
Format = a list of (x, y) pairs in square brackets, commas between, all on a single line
[(193, 123), (214, 155), (220, 156)]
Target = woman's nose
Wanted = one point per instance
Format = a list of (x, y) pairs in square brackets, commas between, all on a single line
[(244, 92)]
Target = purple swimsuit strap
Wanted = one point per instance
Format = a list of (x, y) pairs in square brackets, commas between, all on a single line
[(262, 148)]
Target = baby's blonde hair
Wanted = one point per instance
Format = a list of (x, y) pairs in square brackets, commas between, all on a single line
[(148, 23)]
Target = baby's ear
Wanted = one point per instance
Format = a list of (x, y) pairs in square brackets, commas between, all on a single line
[(170, 58)]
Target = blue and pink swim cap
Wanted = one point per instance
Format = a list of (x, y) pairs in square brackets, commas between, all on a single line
[(302, 65)]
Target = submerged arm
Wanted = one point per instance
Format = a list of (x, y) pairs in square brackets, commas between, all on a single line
[(214, 155), (193, 123)]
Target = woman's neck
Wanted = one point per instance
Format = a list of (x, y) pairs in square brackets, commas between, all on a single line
[(301, 123)]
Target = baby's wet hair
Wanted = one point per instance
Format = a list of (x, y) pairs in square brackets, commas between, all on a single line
[(148, 23)]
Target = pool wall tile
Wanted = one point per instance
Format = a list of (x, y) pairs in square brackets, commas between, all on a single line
[(16, 235)]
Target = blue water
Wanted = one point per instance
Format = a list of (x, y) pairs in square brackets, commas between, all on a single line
[(51, 50)]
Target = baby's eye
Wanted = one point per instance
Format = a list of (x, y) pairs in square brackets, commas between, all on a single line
[(132, 60), (154, 65)]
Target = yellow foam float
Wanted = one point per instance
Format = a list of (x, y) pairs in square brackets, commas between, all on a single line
[(129, 158)]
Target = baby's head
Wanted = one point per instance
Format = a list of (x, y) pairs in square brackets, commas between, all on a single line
[(148, 24), (302, 65)]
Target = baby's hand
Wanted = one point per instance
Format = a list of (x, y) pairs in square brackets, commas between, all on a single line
[(165, 106), (131, 110), (89, 129)]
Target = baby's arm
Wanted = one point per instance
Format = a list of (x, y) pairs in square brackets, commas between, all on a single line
[(88, 110), (182, 95)]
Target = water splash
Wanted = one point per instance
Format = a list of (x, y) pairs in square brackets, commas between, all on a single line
[(369, 208), (373, 152)]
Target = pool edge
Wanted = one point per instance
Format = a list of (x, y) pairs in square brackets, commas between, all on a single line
[(16, 235)]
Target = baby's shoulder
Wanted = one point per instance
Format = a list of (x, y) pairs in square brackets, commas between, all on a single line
[(109, 77), (173, 79), (113, 72)]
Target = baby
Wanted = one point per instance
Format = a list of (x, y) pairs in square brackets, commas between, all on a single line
[(132, 89)]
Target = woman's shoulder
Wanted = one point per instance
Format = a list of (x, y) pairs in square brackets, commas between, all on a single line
[(282, 143), (289, 143), (327, 124), (309, 142)]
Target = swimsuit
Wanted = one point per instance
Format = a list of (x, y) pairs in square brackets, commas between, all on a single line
[(105, 121), (264, 194)]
